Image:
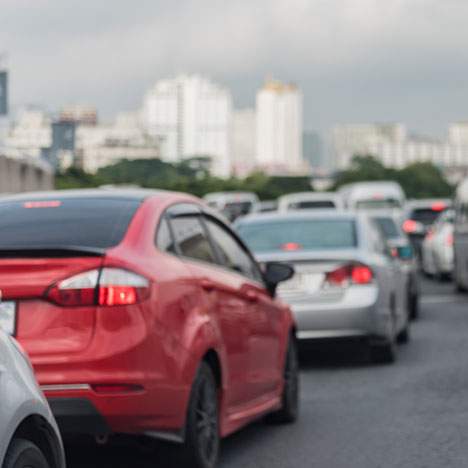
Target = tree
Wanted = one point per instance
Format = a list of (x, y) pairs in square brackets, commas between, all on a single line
[(363, 168), (75, 178), (418, 180), (424, 180)]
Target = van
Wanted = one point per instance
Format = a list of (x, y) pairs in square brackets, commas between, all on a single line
[(373, 195)]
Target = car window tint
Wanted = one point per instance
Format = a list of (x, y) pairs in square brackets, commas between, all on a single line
[(191, 238), (388, 227), (164, 239), (425, 216), (315, 204), (64, 222), (231, 252), (377, 240), (298, 234)]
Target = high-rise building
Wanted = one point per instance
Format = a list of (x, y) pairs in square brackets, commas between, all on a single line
[(279, 128), (243, 141), (192, 116), (3, 92)]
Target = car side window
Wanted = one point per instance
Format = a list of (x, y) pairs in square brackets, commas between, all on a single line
[(231, 252), (164, 239), (191, 238), (377, 239)]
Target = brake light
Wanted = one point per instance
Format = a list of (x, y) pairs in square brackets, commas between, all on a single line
[(104, 287), (361, 274), (338, 277), (349, 274), (438, 206), (291, 246), (410, 226), (430, 234), (42, 204)]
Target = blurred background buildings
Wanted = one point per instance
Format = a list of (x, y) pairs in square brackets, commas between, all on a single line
[(192, 116), (25, 169)]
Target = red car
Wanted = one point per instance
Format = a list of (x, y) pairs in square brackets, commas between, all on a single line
[(143, 313)]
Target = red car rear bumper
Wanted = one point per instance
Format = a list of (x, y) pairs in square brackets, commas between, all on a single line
[(84, 411)]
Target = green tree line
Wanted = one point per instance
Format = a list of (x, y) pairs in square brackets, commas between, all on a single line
[(190, 176), (419, 180)]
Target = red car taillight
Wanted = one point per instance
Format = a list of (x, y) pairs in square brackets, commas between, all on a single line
[(104, 287), (410, 226), (349, 274)]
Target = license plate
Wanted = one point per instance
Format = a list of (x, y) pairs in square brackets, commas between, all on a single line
[(8, 317), (306, 282)]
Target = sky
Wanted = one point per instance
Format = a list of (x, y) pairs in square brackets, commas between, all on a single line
[(354, 60)]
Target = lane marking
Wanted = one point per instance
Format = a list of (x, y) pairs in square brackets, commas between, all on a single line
[(442, 299)]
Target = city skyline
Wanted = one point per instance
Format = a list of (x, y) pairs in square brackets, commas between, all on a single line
[(362, 62)]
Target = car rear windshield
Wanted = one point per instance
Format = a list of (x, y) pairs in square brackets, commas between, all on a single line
[(235, 209), (425, 216), (378, 203), (388, 227), (299, 234), (307, 205), (66, 222)]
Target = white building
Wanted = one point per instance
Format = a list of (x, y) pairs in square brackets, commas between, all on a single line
[(350, 140), (394, 147), (29, 136), (243, 141), (192, 115), (279, 128), (102, 145)]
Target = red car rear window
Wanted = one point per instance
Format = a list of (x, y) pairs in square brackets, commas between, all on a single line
[(67, 222)]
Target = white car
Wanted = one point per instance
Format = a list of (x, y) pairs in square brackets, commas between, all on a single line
[(29, 437), (309, 201), (232, 205), (377, 195), (437, 248)]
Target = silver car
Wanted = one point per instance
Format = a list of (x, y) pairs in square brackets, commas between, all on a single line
[(29, 437), (347, 284), (401, 249), (437, 248)]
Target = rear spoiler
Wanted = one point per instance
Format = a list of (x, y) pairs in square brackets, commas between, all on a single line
[(59, 251)]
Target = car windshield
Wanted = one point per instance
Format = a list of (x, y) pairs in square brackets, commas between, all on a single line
[(388, 227), (299, 234), (65, 222), (426, 216), (378, 203), (235, 209), (311, 204)]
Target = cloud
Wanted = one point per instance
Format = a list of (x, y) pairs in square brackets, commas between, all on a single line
[(354, 59)]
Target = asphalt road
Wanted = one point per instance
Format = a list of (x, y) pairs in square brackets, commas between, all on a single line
[(354, 414)]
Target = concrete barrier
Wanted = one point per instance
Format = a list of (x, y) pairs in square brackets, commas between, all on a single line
[(24, 175)]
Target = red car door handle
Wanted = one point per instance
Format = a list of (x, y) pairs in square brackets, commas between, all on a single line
[(207, 285)]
